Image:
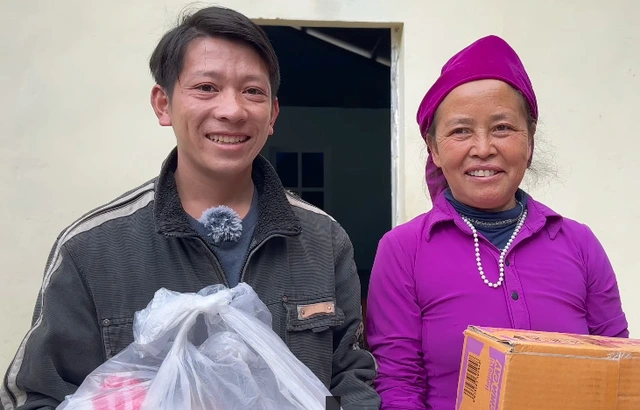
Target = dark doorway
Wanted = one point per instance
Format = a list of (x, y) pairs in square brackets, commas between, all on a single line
[(332, 140)]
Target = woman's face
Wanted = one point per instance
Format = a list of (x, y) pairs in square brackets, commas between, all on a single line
[(482, 143)]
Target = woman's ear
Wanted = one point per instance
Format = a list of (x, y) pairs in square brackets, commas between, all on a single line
[(432, 149), (532, 133)]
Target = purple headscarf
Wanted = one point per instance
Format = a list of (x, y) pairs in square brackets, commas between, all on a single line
[(487, 58)]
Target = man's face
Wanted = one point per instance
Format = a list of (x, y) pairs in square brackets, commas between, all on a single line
[(221, 110)]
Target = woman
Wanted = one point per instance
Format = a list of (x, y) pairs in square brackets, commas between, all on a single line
[(487, 253)]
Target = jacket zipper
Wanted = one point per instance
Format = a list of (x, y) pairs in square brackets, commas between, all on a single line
[(217, 266), (254, 248)]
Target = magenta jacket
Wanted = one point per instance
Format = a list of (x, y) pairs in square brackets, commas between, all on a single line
[(425, 290)]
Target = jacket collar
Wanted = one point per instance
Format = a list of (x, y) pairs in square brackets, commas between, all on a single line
[(275, 215), (539, 216)]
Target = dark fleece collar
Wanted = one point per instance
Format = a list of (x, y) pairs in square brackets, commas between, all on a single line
[(275, 215)]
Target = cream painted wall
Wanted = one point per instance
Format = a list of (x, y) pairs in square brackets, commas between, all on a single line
[(78, 129)]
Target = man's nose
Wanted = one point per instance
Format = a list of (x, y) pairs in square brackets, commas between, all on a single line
[(231, 107)]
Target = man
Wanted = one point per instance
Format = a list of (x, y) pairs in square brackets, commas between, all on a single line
[(217, 78)]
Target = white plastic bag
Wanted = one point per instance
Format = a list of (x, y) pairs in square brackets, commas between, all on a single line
[(214, 350)]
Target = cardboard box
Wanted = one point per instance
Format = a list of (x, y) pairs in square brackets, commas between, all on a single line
[(504, 369)]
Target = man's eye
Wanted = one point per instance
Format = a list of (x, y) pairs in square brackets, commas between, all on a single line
[(207, 88), (254, 91)]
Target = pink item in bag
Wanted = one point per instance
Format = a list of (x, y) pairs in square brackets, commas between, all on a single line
[(121, 394)]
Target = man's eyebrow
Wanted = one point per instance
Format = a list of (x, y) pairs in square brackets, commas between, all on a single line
[(216, 74)]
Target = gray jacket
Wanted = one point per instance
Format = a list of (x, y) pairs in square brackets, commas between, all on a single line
[(108, 265)]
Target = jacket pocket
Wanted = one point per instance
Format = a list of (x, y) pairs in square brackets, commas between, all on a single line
[(117, 335), (310, 326), (316, 314)]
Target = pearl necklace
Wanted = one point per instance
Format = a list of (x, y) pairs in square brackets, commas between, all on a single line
[(476, 245)]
